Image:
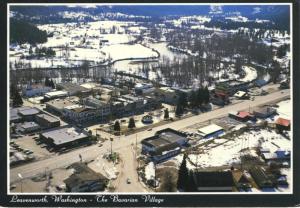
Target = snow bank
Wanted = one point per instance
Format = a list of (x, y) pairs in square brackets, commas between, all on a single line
[(150, 171), (251, 74)]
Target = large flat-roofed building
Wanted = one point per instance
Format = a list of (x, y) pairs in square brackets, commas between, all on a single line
[(73, 89), (65, 137), (210, 131), (28, 127), (167, 95), (57, 106), (55, 94), (25, 113), (80, 114), (164, 144), (47, 121)]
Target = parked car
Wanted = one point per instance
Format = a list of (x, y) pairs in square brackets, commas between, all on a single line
[(128, 181)]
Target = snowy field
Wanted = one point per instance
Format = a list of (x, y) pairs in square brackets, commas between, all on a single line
[(229, 152)]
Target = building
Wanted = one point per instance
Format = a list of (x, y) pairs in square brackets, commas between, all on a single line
[(103, 107), (85, 179), (35, 90), (28, 127), (264, 112), (213, 181), (57, 106), (167, 95), (261, 178), (230, 87), (210, 131), (81, 114), (65, 137), (130, 105), (283, 124), (47, 121), (73, 89), (163, 145), (241, 181), (242, 116), (241, 95), (27, 113), (143, 88), (54, 95), (14, 116)]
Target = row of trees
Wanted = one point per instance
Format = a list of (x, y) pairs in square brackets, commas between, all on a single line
[(131, 125), (49, 83), (15, 96)]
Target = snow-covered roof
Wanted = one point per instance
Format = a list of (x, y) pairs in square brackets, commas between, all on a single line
[(210, 129)]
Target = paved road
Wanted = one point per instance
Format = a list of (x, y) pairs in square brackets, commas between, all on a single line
[(123, 144)]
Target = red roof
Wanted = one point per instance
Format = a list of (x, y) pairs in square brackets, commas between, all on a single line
[(283, 122), (243, 114)]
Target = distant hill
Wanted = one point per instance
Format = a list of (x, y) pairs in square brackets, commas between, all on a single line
[(24, 32)]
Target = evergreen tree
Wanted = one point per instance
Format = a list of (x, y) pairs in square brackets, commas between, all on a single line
[(182, 175), (51, 84), (190, 184), (17, 99), (182, 100), (117, 126), (200, 96), (166, 116), (179, 110), (131, 123), (206, 95), (193, 99), (168, 182), (47, 82)]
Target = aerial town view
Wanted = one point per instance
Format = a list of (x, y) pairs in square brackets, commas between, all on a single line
[(113, 98)]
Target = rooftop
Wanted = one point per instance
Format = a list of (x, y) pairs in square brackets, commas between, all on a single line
[(56, 93), (283, 122), (65, 135), (48, 118), (210, 129), (26, 125), (28, 111)]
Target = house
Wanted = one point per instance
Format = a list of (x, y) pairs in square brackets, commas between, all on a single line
[(278, 155), (241, 116), (230, 87), (213, 181), (264, 112), (47, 121), (210, 131), (85, 179), (163, 145), (283, 124), (65, 137), (143, 88), (261, 178)]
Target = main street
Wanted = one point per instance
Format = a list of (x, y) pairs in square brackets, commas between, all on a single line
[(123, 144)]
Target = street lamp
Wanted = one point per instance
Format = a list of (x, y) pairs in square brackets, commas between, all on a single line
[(21, 177)]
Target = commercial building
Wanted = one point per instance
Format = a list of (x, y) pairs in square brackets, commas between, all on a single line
[(55, 94), (229, 88), (212, 181), (73, 89), (144, 88), (28, 127), (57, 106), (210, 131), (85, 179), (80, 114), (167, 95), (35, 90), (47, 121), (65, 137), (25, 113), (163, 145)]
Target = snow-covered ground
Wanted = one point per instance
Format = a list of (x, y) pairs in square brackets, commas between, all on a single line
[(229, 153), (149, 171), (126, 51), (285, 109), (251, 74)]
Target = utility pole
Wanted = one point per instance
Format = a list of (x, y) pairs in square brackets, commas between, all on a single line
[(136, 143), (21, 177), (111, 140)]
